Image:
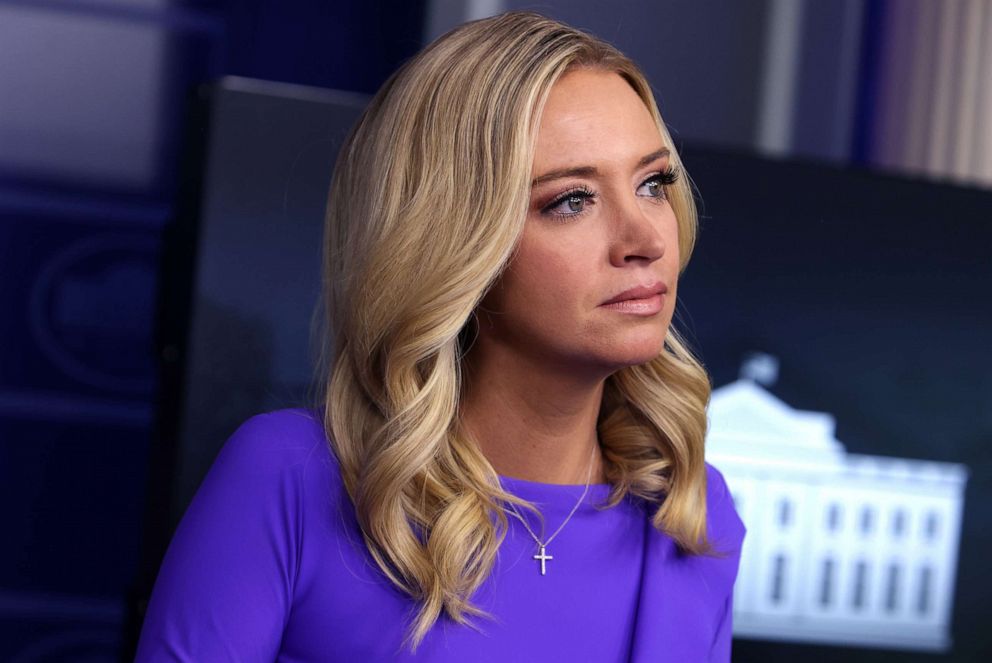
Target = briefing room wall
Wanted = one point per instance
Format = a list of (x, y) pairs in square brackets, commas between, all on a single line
[(93, 98)]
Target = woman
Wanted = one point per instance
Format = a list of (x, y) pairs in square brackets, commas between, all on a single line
[(507, 463)]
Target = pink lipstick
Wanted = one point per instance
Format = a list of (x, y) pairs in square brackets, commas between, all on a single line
[(645, 300)]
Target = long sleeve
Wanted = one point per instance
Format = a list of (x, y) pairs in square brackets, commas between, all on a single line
[(730, 531), (685, 604), (225, 587), (720, 653)]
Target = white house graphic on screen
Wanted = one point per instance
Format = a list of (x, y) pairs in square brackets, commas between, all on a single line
[(841, 548)]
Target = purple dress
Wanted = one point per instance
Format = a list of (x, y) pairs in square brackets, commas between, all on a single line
[(268, 564)]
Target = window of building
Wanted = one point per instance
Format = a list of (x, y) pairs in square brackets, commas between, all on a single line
[(923, 597), (898, 523), (931, 526), (826, 582), (860, 584), (833, 517), (784, 512), (892, 588), (866, 520), (778, 579)]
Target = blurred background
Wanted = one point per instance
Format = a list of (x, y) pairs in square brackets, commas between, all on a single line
[(163, 167)]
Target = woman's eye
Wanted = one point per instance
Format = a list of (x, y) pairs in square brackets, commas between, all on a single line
[(655, 185), (570, 204), (573, 203), (652, 188)]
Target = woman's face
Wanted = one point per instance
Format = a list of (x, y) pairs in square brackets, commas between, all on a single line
[(593, 281)]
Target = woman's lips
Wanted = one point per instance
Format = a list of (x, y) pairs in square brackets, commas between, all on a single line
[(640, 300), (642, 306)]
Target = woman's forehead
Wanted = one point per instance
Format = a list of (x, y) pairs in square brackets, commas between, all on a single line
[(595, 115)]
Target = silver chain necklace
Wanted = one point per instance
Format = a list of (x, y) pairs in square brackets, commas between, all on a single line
[(541, 545)]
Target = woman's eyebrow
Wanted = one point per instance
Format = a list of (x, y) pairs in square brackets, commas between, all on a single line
[(588, 171)]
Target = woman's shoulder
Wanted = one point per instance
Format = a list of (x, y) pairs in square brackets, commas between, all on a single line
[(277, 439), (286, 430), (228, 581), (278, 448)]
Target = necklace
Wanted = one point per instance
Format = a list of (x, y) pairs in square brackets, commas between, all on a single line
[(541, 555)]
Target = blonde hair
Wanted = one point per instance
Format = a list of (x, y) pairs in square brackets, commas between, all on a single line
[(426, 206)]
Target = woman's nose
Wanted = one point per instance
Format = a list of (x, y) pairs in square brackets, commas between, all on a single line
[(637, 235)]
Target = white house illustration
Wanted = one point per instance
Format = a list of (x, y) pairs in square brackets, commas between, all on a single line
[(841, 548)]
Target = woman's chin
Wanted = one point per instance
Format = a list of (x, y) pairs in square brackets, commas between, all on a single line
[(635, 354)]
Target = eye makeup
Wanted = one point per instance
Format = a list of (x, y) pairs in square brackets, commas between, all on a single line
[(579, 195), (563, 206)]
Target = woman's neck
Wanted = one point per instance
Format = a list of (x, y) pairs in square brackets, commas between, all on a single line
[(536, 425)]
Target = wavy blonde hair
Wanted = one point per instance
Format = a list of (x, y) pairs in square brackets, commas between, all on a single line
[(426, 205)]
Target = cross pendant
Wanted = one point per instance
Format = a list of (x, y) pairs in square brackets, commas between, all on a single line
[(541, 556)]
